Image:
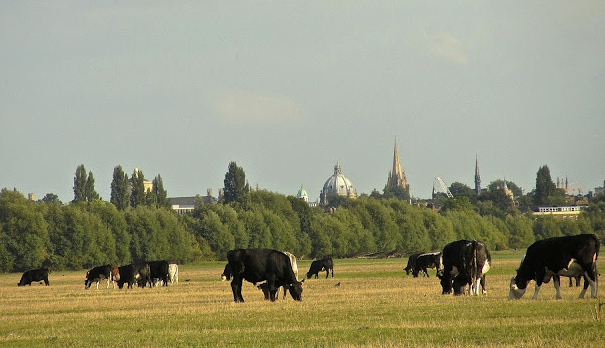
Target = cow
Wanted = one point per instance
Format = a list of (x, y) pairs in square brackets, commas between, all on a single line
[(115, 275), (321, 265), (257, 265), (567, 256), (96, 274), (425, 261), (159, 270), (138, 273), (34, 275), (411, 263), (173, 273), (465, 262), (264, 287)]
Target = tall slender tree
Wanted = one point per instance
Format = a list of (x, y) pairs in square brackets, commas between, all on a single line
[(80, 184), (159, 194), (137, 193), (90, 192), (545, 187), (236, 188), (120, 195)]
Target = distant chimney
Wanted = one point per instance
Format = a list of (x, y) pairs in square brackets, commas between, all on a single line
[(209, 192), (31, 196)]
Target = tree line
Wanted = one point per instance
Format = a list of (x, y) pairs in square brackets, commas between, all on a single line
[(88, 231)]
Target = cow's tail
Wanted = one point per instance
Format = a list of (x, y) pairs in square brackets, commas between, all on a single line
[(594, 264), (475, 270)]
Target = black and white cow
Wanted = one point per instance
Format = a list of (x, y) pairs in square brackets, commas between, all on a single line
[(138, 273), (567, 256), (320, 265), (34, 275), (257, 265), (265, 288), (159, 270), (465, 262), (425, 261), (96, 274), (412, 263)]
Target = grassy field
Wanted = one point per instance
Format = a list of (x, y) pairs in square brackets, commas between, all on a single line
[(376, 305)]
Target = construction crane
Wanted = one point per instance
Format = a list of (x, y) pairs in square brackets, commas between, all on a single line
[(443, 186)]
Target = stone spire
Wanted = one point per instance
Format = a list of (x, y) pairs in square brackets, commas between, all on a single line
[(477, 177), (396, 175)]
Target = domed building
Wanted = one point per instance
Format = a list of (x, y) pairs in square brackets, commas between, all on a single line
[(337, 185), (302, 194)]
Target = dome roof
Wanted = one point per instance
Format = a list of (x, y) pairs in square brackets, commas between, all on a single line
[(302, 193), (338, 184)]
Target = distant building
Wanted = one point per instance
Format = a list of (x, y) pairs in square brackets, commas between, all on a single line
[(337, 185), (477, 177), (561, 213), (147, 184), (184, 205), (397, 175), (302, 194)]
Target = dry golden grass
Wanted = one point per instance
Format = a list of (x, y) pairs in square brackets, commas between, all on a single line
[(375, 305)]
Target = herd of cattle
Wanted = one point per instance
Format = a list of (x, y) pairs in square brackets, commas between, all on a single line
[(461, 267)]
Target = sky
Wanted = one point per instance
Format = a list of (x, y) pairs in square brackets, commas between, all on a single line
[(287, 89)]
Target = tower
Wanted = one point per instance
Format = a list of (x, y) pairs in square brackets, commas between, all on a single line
[(477, 177), (396, 175)]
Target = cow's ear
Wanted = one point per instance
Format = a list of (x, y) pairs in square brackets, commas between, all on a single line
[(302, 281)]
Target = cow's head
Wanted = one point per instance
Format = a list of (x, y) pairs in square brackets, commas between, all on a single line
[(226, 273), (515, 291), (408, 270), (87, 283), (296, 290), (115, 273)]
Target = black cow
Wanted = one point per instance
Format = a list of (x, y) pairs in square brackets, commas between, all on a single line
[(325, 264), (97, 274), (138, 273), (257, 265), (425, 261), (465, 262), (159, 270), (567, 256), (34, 275), (412, 263)]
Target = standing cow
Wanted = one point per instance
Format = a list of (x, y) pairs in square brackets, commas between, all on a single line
[(412, 263), (96, 274), (320, 265), (137, 273), (465, 262), (425, 261), (257, 265), (34, 275), (567, 256), (159, 270), (173, 273)]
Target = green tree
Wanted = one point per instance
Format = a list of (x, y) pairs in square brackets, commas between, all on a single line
[(545, 187), (80, 184), (120, 195), (521, 234), (546, 227), (137, 193), (396, 192), (159, 194), (459, 189), (497, 185), (51, 198), (90, 192), (236, 188)]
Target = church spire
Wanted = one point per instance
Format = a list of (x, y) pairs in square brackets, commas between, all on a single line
[(477, 177), (397, 175)]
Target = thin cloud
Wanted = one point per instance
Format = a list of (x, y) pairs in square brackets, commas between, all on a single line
[(447, 47), (258, 109)]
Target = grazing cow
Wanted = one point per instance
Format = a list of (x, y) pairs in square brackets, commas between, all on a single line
[(257, 265), (465, 262), (115, 275), (159, 270), (412, 263), (97, 274), (138, 273), (425, 261), (173, 273), (34, 275), (321, 265), (567, 256), (265, 288)]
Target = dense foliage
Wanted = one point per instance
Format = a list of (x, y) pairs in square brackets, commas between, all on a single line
[(81, 235)]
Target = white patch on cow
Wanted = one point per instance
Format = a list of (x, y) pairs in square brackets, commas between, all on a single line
[(173, 273), (515, 293), (485, 268)]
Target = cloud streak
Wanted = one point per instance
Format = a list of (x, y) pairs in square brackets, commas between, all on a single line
[(245, 108)]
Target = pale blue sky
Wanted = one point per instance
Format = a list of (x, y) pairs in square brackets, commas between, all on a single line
[(288, 88)]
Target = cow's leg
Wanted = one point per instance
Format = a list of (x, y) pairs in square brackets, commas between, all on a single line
[(46, 282), (327, 273), (107, 283), (483, 291), (588, 280), (557, 284), (236, 288), (332, 272), (97, 285), (538, 284)]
